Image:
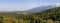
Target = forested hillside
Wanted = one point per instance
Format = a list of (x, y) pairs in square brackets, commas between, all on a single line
[(49, 15), (46, 16)]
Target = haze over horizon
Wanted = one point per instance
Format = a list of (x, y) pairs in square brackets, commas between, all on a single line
[(22, 5)]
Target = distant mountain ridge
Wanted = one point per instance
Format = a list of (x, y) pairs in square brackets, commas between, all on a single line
[(41, 8)]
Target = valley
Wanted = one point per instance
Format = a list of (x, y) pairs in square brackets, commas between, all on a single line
[(45, 16)]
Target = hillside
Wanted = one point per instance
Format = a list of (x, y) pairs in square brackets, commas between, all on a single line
[(50, 14), (45, 16)]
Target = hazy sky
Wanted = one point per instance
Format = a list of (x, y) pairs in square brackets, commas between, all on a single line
[(21, 5)]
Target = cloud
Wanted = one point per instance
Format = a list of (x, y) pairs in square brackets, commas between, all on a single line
[(57, 4)]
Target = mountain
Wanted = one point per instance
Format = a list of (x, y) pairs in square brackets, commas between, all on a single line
[(53, 14), (41, 8)]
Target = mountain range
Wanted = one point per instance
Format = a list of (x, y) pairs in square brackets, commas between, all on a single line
[(41, 8)]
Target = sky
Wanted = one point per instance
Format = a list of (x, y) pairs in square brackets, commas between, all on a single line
[(22, 5)]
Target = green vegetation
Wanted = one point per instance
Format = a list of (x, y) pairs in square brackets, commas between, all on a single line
[(46, 16)]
